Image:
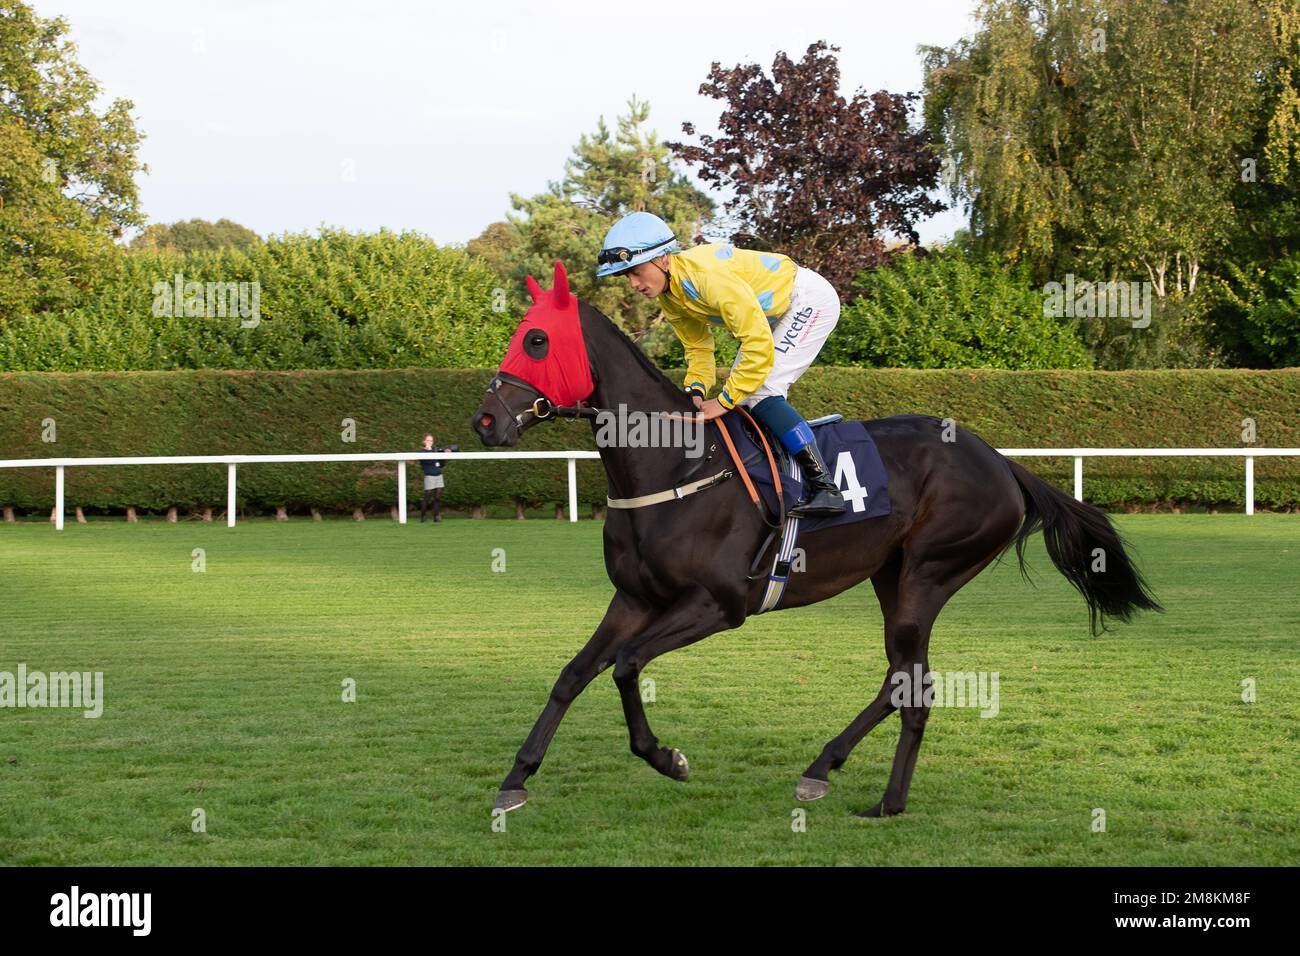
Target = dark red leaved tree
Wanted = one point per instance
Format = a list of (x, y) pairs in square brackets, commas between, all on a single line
[(825, 180)]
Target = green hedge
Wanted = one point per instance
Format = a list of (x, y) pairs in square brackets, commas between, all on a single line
[(335, 300), (229, 412), (948, 310)]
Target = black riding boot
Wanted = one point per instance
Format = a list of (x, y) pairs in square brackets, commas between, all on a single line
[(821, 495)]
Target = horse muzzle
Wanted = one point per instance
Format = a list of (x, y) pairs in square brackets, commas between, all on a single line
[(497, 423)]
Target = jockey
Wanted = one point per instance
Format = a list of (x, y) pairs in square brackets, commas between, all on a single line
[(781, 313)]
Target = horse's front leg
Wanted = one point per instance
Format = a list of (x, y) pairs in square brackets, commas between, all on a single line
[(694, 617), (623, 621)]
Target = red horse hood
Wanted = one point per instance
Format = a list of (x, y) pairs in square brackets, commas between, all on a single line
[(559, 369)]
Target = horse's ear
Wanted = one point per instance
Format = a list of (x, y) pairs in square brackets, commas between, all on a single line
[(533, 288), (560, 290)]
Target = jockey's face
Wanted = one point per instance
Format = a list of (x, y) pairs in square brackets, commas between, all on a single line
[(649, 278)]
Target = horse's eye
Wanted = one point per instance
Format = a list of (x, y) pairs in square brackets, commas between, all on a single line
[(536, 343)]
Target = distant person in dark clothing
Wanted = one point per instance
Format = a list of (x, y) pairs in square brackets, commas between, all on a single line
[(433, 483)]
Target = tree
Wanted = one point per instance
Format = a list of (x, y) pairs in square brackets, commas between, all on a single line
[(608, 175), (195, 235), (1170, 113), (67, 186), (632, 172), (1003, 107), (1282, 106), (1099, 134), (493, 246), (820, 178), (329, 300), (948, 309), (1255, 315), (1107, 138)]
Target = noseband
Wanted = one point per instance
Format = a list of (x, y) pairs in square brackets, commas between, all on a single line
[(541, 408)]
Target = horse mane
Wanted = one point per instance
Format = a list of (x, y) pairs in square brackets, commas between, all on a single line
[(642, 359)]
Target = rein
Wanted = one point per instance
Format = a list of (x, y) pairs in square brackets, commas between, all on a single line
[(675, 494), (637, 336), (543, 409)]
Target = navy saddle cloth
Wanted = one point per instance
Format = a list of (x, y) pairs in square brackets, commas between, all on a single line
[(850, 455)]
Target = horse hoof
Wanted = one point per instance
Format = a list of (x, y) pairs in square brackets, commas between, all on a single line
[(878, 811), (811, 789), (508, 800), (680, 768)]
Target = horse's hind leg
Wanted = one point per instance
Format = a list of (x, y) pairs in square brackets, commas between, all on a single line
[(909, 636), (815, 782), (924, 587), (910, 612), (622, 621)]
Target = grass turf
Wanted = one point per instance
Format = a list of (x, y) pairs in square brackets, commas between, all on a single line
[(223, 692)]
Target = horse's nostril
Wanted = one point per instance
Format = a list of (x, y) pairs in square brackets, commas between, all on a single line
[(486, 421)]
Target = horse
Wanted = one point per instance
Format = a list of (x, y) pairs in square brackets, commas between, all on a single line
[(680, 568)]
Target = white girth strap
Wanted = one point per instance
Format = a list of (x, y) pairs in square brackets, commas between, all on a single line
[(776, 582), (673, 494)]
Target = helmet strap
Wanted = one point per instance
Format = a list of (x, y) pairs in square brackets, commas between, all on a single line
[(666, 273)]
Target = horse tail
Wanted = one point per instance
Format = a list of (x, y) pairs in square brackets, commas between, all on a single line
[(1085, 547)]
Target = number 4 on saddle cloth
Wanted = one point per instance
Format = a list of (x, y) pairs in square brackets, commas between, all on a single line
[(854, 462)]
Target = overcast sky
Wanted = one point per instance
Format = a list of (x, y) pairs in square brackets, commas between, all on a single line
[(363, 114)]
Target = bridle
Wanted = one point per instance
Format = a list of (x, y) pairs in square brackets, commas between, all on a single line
[(541, 408)]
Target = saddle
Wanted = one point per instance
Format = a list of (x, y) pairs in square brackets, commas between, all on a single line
[(764, 442), (783, 461), (765, 449)]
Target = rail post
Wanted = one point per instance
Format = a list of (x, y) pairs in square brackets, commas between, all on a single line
[(230, 494), (1250, 485), (573, 489), (401, 492)]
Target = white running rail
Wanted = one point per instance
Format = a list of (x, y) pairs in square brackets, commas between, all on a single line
[(231, 461), (1079, 454)]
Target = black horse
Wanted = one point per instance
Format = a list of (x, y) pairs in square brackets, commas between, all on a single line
[(681, 568)]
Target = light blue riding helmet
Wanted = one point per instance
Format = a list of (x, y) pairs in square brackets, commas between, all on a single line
[(636, 238)]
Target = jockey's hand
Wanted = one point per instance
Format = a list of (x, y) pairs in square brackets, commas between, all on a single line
[(711, 409), (698, 401)]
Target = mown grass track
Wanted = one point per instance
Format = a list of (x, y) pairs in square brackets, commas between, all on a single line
[(223, 692)]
